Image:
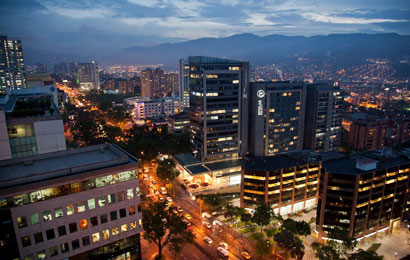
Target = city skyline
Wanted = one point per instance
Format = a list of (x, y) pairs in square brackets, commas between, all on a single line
[(85, 27)]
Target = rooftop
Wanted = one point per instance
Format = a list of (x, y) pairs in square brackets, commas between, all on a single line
[(281, 161), (211, 60), (347, 164), (20, 171), (196, 167)]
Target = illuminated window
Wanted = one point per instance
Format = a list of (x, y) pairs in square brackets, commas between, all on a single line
[(133, 225), (83, 224), (124, 228), (35, 219), (235, 81), (115, 231), (58, 212), (96, 237), (106, 234), (47, 215), (101, 202), (111, 198), (80, 206), (21, 222), (130, 194), (64, 248), (41, 255), (70, 209)]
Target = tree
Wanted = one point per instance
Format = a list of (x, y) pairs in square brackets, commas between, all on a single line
[(365, 255), (263, 215), (163, 227), (167, 171), (111, 132), (215, 202), (233, 212), (246, 217), (87, 128), (263, 247), (300, 228), (325, 251), (332, 249), (291, 243)]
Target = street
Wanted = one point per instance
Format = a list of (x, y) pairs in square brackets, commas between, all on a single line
[(190, 206)]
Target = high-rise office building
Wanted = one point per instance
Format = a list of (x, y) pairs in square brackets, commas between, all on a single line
[(147, 82), (183, 91), (88, 76), (153, 83), (171, 83), (11, 65), (218, 91), (323, 118), (75, 204), (135, 84), (276, 117)]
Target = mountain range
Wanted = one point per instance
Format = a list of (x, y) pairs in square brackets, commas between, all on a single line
[(335, 50), (338, 49)]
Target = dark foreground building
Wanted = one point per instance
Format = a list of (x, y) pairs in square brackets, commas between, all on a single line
[(364, 194), (75, 204)]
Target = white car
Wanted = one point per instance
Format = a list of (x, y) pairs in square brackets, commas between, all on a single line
[(224, 245), (150, 185), (160, 198), (154, 181), (208, 240), (169, 199), (207, 225)]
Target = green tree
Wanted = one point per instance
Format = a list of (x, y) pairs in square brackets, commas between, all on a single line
[(111, 132), (246, 217), (291, 243), (263, 215), (263, 247), (300, 228), (86, 129), (163, 227), (325, 251), (365, 255), (167, 171), (215, 202)]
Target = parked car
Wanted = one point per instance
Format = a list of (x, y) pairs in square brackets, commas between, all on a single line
[(180, 209), (163, 190), (169, 199), (187, 217), (150, 185), (246, 255), (208, 240), (154, 181), (223, 252), (207, 225), (224, 245), (161, 198)]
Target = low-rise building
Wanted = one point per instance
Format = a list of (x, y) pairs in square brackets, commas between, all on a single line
[(178, 123), (364, 194), (287, 182), (75, 204), (146, 108)]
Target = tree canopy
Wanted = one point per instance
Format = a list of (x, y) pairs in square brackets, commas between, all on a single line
[(163, 227)]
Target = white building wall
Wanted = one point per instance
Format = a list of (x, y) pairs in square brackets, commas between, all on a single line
[(50, 136), (5, 152)]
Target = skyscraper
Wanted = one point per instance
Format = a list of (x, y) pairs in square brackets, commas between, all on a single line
[(323, 118), (218, 91), (11, 65), (88, 76), (183, 83), (277, 117), (159, 84), (147, 82), (171, 83)]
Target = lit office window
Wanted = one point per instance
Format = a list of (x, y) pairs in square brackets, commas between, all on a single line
[(21, 222), (70, 209), (58, 212), (47, 215), (91, 204), (106, 234), (96, 237)]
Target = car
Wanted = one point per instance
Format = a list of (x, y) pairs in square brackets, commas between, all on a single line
[(222, 252), (169, 199), (224, 245), (246, 255), (179, 209), (208, 240), (187, 222), (150, 185), (154, 181), (160, 198), (150, 177), (163, 190), (207, 225), (187, 217)]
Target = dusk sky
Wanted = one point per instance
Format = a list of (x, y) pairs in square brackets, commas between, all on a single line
[(78, 27)]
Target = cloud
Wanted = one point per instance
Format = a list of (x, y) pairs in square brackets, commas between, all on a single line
[(347, 20), (258, 19), (146, 3)]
